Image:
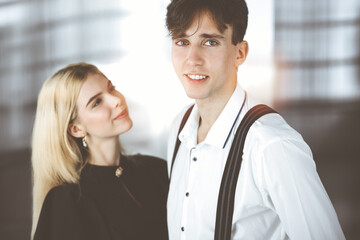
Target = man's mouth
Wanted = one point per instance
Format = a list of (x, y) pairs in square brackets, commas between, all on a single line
[(196, 76)]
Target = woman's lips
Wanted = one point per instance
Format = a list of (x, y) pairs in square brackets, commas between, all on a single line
[(122, 115)]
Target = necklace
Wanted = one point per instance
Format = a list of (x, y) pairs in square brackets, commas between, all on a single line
[(118, 171)]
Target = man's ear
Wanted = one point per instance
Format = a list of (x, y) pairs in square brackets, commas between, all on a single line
[(76, 130), (242, 49)]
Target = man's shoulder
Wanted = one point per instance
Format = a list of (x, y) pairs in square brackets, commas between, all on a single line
[(272, 127), (174, 130), (175, 125), (274, 141), (178, 118)]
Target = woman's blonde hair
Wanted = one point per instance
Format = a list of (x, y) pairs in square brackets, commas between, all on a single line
[(57, 157)]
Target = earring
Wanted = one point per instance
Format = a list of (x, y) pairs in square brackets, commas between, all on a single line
[(84, 142)]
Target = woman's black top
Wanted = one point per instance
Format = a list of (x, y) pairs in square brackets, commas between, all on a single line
[(103, 206)]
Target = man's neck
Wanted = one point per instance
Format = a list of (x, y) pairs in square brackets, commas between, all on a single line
[(210, 110)]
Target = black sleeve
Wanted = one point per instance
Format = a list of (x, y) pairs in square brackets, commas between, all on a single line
[(59, 217)]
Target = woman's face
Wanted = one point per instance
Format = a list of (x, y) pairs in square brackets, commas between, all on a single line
[(102, 110)]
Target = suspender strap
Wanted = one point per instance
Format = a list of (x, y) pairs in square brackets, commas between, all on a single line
[(225, 207), (177, 144)]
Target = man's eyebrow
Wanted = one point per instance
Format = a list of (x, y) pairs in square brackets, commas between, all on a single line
[(204, 35), (92, 98), (182, 35)]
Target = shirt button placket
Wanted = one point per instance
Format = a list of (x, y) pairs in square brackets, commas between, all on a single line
[(184, 221)]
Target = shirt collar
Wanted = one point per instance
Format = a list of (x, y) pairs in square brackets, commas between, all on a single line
[(188, 134), (223, 126)]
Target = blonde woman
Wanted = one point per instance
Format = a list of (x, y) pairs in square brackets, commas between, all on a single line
[(84, 187)]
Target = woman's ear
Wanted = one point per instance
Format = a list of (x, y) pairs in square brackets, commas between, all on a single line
[(242, 49), (76, 130)]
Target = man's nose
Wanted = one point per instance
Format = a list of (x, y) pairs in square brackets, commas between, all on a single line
[(194, 57)]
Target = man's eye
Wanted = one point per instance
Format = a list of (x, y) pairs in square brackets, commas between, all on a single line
[(211, 43), (97, 102), (181, 43)]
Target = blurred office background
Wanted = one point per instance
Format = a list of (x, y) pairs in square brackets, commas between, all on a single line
[(304, 61)]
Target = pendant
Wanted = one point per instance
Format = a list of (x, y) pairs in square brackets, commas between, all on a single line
[(119, 171)]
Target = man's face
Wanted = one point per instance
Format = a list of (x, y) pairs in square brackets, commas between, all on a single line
[(206, 61)]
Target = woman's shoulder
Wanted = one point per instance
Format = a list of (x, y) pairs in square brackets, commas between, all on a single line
[(147, 161), (152, 167), (59, 217), (63, 193)]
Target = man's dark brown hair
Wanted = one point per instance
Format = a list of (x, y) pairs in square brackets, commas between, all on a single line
[(181, 13)]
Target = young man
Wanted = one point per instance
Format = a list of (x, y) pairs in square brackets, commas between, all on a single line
[(278, 193)]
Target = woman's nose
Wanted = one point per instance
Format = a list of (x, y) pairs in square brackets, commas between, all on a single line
[(115, 100)]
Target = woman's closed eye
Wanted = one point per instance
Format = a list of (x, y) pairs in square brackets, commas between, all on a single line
[(96, 102)]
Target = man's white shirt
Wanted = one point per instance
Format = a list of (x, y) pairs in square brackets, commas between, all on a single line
[(279, 194)]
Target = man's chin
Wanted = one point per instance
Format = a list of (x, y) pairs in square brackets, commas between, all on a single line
[(195, 96)]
